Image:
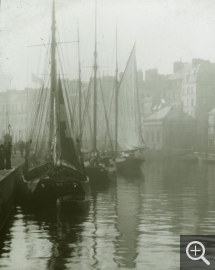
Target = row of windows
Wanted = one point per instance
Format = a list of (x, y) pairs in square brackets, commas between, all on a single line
[(189, 102), (14, 107), (147, 108), (175, 95), (14, 120), (190, 112), (188, 90)]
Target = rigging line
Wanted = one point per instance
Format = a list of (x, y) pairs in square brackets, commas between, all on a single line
[(68, 100), (42, 116), (60, 51), (45, 66), (86, 107), (109, 114), (66, 93), (106, 115)]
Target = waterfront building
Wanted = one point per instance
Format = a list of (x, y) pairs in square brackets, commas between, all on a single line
[(16, 112), (169, 128), (174, 89), (151, 90), (211, 130)]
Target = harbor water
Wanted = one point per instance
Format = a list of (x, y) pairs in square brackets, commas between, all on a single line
[(133, 224)]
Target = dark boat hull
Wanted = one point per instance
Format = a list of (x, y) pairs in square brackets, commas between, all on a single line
[(47, 190), (129, 165), (97, 174), (100, 177), (73, 203)]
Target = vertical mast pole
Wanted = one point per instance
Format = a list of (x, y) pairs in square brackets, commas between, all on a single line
[(95, 81), (79, 89), (53, 75), (116, 100)]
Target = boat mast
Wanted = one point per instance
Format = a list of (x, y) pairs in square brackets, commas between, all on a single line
[(53, 82), (79, 89), (116, 100), (95, 82)]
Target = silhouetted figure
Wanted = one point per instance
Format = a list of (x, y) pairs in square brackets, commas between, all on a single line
[(21, 148), (27, 148), (2, 157), (8, 156)]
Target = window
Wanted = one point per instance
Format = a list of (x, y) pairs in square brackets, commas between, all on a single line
[(158, 136), (192, 102), (147, 136), (192, 90), (152, 136), (188, 90)]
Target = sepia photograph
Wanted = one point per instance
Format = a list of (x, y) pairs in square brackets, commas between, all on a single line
[(107, 134)]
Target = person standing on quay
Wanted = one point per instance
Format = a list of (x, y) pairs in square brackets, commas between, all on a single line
[(1, 157), (27, 148), (21, 148), (8, 156)]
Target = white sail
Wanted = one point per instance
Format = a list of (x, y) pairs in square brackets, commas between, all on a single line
[(129, 122)]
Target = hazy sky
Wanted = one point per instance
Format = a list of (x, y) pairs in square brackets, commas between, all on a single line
[(165, 31)]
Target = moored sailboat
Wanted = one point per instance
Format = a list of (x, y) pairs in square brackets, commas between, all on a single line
[(129, 141), (54, 169), (101, 169)]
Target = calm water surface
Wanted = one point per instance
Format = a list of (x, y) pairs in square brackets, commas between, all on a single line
[(134, 224)]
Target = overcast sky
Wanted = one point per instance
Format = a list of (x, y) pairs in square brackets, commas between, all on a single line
[(165, 31)]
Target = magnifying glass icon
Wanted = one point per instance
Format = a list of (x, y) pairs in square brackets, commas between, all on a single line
[(195, 250)]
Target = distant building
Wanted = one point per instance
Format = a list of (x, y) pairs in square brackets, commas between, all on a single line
[(16, 112), (170, 128), (151, 91), (174, 89), (211, 130)]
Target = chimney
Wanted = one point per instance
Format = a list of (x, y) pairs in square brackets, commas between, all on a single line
[(177, 66)]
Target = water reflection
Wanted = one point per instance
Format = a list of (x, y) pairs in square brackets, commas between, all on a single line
[(134, 224)]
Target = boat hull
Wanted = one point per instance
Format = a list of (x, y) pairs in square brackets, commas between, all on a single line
[(73, 203), (48, 189), (99, 176), (129, 165), (207, 160)]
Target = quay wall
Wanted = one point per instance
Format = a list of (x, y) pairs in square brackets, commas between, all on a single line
[(9, 191)]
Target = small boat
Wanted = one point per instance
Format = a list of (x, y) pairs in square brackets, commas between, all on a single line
[(207, 160), (73, 203), (129, 163), (193, 158)]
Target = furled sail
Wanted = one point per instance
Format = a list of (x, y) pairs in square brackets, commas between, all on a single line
[(68, 149), (129, 121)]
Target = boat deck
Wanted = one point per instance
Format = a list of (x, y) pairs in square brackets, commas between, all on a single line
[(16, 161)]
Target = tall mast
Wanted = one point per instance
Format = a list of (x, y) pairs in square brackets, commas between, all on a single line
[(53, 76), (116, 99), (79, 88), (95, 82)]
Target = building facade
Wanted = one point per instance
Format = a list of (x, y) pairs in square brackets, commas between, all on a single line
[(170, 128), (16, 113)]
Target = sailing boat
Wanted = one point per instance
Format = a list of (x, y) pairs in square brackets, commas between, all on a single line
[(98, 167), (128, 132), (55, 170)]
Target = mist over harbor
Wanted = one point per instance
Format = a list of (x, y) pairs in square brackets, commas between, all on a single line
[(165, 32)]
